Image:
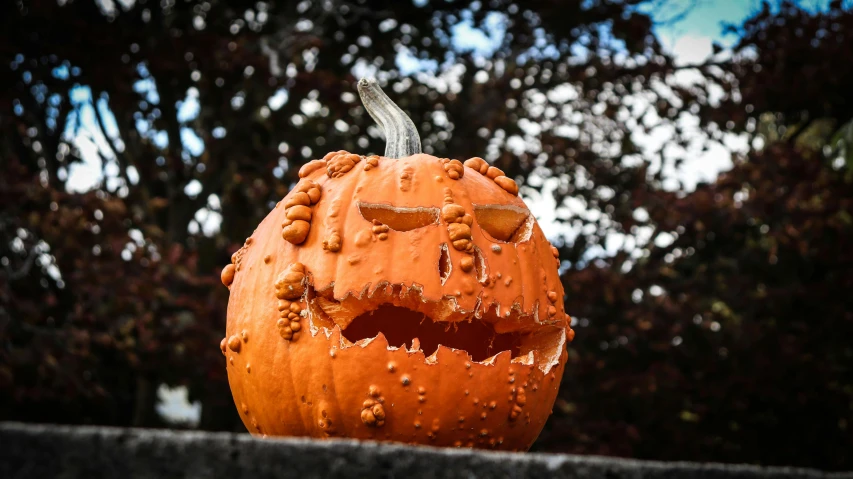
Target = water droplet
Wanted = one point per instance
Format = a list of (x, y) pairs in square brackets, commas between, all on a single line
[(391, 367), (405, 380)]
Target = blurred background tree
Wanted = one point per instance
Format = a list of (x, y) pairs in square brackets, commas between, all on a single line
[(143, 141)]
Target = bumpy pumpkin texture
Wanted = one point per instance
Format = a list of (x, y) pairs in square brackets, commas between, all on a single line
[(409, 299)]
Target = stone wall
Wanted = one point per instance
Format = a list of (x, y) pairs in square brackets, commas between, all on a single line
[(47, 451)]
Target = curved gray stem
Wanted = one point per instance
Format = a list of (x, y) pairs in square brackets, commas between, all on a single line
[(401, 136)]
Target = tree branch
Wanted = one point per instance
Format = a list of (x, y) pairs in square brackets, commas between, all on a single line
[(24, 270)]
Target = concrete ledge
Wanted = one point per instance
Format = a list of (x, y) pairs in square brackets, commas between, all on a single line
[(47, 451)]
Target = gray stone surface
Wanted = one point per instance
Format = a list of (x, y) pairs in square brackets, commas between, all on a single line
[(47, 451)]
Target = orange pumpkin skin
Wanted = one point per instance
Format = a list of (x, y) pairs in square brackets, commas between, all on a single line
[(430, 250)]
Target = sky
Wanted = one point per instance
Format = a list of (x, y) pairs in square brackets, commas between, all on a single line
[(688, 39)]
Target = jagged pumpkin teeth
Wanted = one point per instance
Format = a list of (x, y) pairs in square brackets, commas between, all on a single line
[(444, 289)]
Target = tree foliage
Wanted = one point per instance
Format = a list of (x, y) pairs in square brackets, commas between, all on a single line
[(724, 340), (714, 333)]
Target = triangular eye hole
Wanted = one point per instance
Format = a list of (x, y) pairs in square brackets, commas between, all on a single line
[(399, 218), (507, 223)]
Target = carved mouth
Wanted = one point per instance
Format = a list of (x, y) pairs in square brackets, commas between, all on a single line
[(415, 331), (399, 316)]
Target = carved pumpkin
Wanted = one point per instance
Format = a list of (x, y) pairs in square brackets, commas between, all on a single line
[(405, 297)]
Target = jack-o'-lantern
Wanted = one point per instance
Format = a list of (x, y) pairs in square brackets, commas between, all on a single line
[(404, 297)]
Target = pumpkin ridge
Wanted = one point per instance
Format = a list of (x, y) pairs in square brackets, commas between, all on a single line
[(297, 388), (350, 254), (513, 271)]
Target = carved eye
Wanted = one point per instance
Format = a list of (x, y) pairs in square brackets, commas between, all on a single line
[(507, 223), (399, 218)]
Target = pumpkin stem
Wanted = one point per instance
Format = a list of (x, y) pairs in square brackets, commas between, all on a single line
[(401, 136)]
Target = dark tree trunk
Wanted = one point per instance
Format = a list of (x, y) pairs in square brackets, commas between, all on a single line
[(144, 414), (218, 412)]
